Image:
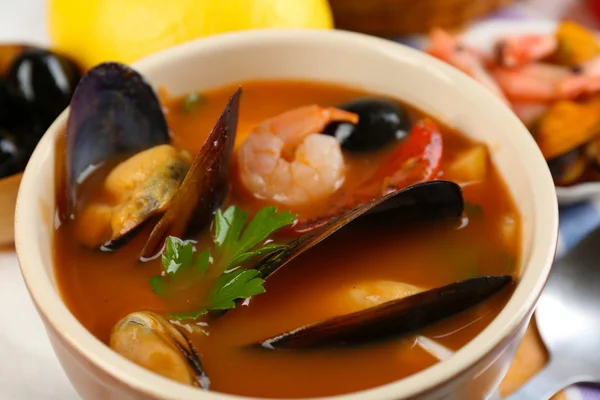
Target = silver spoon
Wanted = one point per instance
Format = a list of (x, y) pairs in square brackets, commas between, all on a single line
[(568, 318)]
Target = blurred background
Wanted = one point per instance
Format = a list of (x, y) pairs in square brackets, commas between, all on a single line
[(126, 30), (91, 31)]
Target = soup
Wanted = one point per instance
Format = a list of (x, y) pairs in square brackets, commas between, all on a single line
[(175, 300)]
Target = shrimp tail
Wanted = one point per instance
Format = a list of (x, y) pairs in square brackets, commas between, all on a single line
[(333, 114)]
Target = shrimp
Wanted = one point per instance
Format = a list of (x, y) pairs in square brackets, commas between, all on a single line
[(447, 48), (584, 79), (516, 51), (534, 82), (541, 82), (286, 160)]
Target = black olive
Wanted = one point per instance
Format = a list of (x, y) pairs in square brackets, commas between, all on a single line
[(13, 155), (43, 83), (5, 104), (381, 122), (14, 117)]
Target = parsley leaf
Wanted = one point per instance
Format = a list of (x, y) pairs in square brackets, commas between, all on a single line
[(181, 268), (178, 253), (234, 243), (191, 315), (266, 249), (238, 284), (231, 286)]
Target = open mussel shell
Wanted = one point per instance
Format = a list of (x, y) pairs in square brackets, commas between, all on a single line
[(391, 319), (114, 112), (153, 342), (423, 202), (205, 185)]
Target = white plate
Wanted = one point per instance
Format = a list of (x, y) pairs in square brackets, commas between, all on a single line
[(483, 36)]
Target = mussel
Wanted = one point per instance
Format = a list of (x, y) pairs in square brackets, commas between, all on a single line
[(114, 112), (390, 319), (432, 201), (151, 341), (381, 122), (205, 185), (116, 115)]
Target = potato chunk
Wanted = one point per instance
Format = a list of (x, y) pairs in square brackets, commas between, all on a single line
[(470, 165)]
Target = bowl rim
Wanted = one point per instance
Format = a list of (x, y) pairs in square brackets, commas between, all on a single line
[(54, 311)]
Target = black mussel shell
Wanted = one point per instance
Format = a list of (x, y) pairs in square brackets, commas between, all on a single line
[(381, 123), (114, 112), (13, 155), (428, 201), (205, 185), (391, 319), (42, 82), (569, 167), (423, 202)]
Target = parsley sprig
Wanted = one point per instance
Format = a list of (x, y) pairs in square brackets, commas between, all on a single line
[(234, 243)]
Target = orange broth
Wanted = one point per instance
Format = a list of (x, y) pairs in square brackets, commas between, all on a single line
[(101, 288)]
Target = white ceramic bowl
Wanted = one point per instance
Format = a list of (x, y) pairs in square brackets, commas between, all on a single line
[(356, 60)]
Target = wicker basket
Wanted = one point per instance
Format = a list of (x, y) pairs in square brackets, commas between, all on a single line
[(401, 17)]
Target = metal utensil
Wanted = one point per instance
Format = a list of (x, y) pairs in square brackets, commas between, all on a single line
[(568, 318)]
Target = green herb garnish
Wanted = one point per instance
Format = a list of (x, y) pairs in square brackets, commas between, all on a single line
[(181, 267), (237, 246), (191, 101), (234, 243), (238, 284)]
